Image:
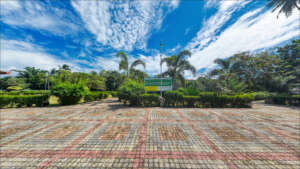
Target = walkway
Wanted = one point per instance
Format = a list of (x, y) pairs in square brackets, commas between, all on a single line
[(108, 135)]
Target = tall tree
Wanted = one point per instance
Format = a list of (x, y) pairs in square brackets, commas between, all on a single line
[(177, 65), (34, 77), (284, 6), (65, 67), (124, 63)]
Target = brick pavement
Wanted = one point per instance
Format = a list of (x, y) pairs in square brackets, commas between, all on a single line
[(107, 135)]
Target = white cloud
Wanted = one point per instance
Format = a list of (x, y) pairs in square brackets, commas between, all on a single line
[(153, 64), (18, 55), (122, 24), (35, 15), (108, 63), (215, 22), (246, 34)]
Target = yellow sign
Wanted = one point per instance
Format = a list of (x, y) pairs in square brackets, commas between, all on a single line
[(151, 88)]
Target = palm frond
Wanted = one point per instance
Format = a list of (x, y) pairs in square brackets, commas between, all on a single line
[(123, 64), (136, 63)]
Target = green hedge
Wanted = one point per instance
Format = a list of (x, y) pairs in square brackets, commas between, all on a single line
[(284, 99), (69, 93), (149, 100), (260, 95), (7, 101), (25, 92), (213, 100), (93, 96), (178, 99)]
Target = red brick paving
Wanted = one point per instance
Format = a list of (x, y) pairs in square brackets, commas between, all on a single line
[(108, 135)]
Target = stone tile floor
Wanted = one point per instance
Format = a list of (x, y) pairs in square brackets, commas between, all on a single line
[(107, 135)]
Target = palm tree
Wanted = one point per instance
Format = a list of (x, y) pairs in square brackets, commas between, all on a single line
[(224, 70), (177, 65), (124, 65), (285, 6)]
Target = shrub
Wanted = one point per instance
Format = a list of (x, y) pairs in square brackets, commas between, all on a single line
[(26, 92), (14, 88), (215, 100), (23, 100), (93, 96), (189, 91), (284, 99), (130, 92), (150, 100), (173, 98), (69, 93), (191, 101), (260, 95)]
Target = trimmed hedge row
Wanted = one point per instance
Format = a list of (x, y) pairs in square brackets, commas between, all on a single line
[(145, 100), (207, 99), (260, 95), (25, 92), (177, 99), (7, 101), (93, 96), (284, 99)]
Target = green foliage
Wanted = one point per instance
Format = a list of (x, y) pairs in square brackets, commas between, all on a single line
[(177, 65), (272, 72), (96, 83), (93, 96), (113, 79), (189, 91), (149, 100), (173, 98), (207, 99), (69, 93), (26, 92), (7, 101), (34, 77), (130, 92), (14, 88), (124, 64), (260, 95), (284, 99)]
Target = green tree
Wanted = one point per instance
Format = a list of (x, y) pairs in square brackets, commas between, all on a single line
[(177, 65), (96, 82), (124, 63), (113, 79), (65, 67), (284, 6), (35, 78)]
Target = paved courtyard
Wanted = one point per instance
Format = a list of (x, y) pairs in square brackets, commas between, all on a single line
[(107, 135)]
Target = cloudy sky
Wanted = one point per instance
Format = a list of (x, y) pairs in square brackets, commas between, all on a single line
[(86, 34)]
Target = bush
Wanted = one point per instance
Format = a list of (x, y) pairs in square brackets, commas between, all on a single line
[(130, 92), (93, 96), (191, 101), (26, 92), (14, 88), (214, 100), (23, 100), (173, 99), (260, 95), (150, 100), (69, 93), (284, 99), (189, 91)]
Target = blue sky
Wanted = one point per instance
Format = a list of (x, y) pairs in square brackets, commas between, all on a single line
[(86, 34)]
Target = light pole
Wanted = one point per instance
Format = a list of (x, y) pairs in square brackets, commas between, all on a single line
[(161, 98), (161, 45)]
